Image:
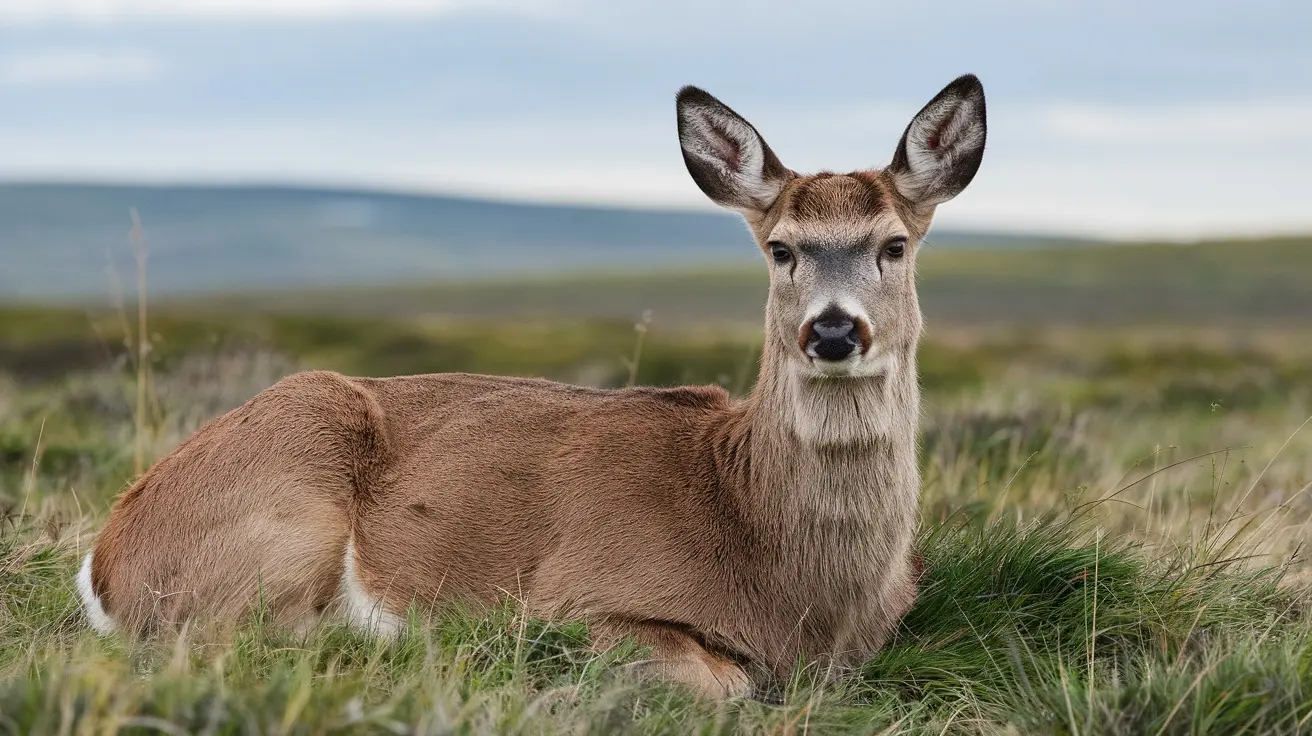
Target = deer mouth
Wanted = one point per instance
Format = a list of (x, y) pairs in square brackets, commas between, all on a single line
[(834, 368), (869, 361)]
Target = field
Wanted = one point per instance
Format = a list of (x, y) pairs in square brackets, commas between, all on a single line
[(1115, 502)]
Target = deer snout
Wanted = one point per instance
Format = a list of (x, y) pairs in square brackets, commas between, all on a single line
[(834, 335)]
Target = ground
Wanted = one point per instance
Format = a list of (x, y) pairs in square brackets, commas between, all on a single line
[(1113, 523)]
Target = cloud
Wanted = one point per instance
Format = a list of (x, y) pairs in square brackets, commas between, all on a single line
[(1271, 122), (1201, 129), (35, 11), (79, 66)]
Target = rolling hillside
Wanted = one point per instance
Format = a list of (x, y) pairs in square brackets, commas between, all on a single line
[(1250, 282), (56, 240)]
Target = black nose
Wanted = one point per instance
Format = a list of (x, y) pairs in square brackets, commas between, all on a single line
[(833, 335), (833, 327)]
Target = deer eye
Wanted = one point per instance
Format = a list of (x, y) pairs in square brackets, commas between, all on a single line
[(896, 248), (780, 253)]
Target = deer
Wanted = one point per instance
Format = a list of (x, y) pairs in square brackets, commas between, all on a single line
[(731, 538)]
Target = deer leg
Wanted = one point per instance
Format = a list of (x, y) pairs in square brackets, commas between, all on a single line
[(676, 656)]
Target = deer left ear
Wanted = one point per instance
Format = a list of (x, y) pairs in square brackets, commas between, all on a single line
[(943, 146)]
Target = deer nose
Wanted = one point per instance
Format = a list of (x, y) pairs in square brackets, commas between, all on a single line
[(833, 328), (833, 335)]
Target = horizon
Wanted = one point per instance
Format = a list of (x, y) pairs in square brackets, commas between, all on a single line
[(356, 189)]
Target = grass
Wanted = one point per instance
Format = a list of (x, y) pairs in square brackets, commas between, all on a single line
[(1113, 521), (1027, 625)]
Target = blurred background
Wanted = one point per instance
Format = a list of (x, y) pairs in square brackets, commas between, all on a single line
[(398, 186)]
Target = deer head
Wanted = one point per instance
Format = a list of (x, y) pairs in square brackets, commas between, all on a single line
[(841, 247)]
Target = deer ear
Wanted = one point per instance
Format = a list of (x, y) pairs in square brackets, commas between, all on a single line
[(727, 158), (942, 147)]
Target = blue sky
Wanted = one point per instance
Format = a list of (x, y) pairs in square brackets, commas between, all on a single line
[(1176, 118)]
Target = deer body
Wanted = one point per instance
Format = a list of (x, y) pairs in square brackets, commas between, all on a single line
[(734, 537)]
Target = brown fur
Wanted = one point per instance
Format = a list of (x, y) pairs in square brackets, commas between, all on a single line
[(472, 487), (734, 537)]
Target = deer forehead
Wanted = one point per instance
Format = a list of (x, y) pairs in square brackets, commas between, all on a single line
[(838, 210)]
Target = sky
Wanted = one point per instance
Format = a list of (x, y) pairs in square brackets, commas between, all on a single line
[(1163, 118)]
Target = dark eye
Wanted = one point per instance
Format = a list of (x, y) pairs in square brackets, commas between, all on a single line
[(896, 249), (780, 253)]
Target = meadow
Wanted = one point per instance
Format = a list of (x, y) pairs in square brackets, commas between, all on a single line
[(1116, 471)]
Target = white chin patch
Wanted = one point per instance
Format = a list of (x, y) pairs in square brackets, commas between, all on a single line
[(872, 363), (833, 368)]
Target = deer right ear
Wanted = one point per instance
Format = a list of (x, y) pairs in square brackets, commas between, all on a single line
[(727, 158), (942, 147)]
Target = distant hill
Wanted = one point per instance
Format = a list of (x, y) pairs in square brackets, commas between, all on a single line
[(57, 240), (1256, 282)]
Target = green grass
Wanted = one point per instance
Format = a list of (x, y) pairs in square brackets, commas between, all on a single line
[(1114, 522), (1026, 625), (1079, 581)]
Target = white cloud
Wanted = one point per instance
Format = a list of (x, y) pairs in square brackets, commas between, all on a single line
[(34, 11), (1268, 122), (79, 66)]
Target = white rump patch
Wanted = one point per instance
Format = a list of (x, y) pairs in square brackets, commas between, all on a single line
[(362, 611), (100, 621)]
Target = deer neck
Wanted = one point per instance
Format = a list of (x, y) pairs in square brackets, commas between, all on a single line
[(837, 453)]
